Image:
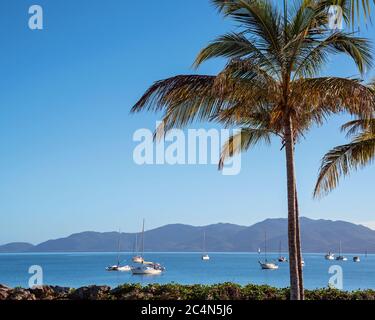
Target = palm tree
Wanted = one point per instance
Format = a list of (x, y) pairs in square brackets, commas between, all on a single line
[(268, 87), (343, 159)]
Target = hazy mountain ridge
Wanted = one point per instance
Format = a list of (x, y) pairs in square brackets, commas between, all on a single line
[(317, 236)]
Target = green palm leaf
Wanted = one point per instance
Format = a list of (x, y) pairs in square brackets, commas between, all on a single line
[(342, 160)]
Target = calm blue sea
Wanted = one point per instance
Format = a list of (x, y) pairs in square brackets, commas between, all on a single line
[(79, 269)]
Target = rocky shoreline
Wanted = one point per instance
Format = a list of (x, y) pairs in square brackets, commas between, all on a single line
[(226, 291)]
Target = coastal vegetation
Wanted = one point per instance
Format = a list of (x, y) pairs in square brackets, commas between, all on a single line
[(270, 88), (225, 291)]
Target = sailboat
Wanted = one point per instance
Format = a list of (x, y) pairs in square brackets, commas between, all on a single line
[(281, 258), (341, 257), (265, 265), (118, 267), (144, 267), (205, 256), (136, 258)]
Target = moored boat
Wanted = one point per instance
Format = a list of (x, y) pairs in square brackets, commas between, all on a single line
[(281, 258), (148, 268), (340, 256), (143, 267), (118, 267), (205, 256), (266, 265), (329, 256)]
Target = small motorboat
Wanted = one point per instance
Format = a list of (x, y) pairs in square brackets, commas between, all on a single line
[(329, 256), (356, 259), (268, 265)]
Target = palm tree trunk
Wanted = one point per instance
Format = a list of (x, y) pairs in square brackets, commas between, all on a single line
[(299, 251), (292, 228)]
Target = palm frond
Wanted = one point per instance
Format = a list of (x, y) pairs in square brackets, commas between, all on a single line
[(334, 95), (185, 99), (342, 160), (242, 141), (359, 125), (236, 46), (261, 24), (314, 53)]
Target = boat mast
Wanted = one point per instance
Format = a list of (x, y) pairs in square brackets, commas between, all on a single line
[(143, 238), (118, 247), (204, 242), (265, 246), (135, 250)]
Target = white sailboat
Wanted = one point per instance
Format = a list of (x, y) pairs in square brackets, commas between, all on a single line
[(136, 258), (118, 267), (341, 257), (144, 267), (266, 265), (205, 256), (281, 258), (148, 268)]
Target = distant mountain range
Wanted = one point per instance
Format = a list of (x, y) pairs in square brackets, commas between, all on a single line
[(317, 236)]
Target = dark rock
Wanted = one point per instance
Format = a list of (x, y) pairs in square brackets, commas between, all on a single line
[(50, 292), (61, 292), (43, 292), (4, 292), (21, 294), (90, 293)]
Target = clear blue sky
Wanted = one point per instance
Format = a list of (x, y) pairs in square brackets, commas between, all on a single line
[(66, 134)]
